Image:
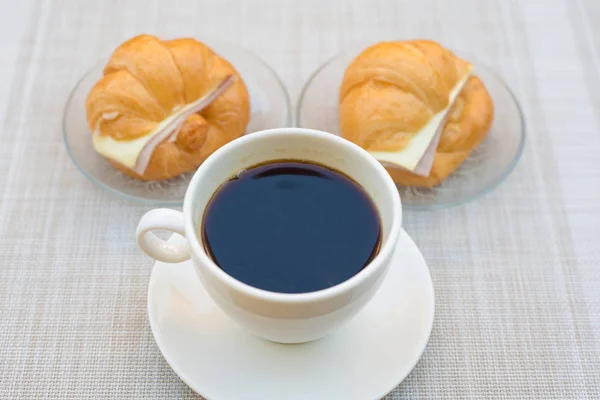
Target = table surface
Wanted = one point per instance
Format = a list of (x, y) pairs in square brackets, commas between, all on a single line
[(516, 272)]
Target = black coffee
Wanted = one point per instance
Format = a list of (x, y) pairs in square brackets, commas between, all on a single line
[(291, 227)]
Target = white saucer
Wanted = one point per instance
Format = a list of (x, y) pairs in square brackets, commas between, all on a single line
[(366, 359)]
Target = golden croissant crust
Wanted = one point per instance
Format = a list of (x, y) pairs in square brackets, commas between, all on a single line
[(148, 80), (392, 89)]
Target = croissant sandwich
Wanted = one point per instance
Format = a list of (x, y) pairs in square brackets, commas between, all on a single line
[(404, 100), (162, 107)]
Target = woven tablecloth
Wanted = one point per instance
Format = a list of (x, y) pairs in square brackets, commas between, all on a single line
[(516, 272)]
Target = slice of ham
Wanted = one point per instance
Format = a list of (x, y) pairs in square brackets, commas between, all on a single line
[(171, 130)]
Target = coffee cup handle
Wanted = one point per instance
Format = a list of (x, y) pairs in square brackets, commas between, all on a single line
[(159, 249)]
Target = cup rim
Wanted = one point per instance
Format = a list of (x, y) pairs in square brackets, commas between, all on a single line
[(385, 252)]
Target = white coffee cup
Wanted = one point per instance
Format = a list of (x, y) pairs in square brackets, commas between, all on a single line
[(279, 317)]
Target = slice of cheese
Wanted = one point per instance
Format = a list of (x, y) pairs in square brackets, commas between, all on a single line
[(126, 152), (410, 156)]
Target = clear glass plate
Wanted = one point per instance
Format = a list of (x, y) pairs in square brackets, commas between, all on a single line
[(270, 108), (487, 166)]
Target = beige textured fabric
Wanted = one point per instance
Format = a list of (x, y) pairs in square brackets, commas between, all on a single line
[(516, 273)]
